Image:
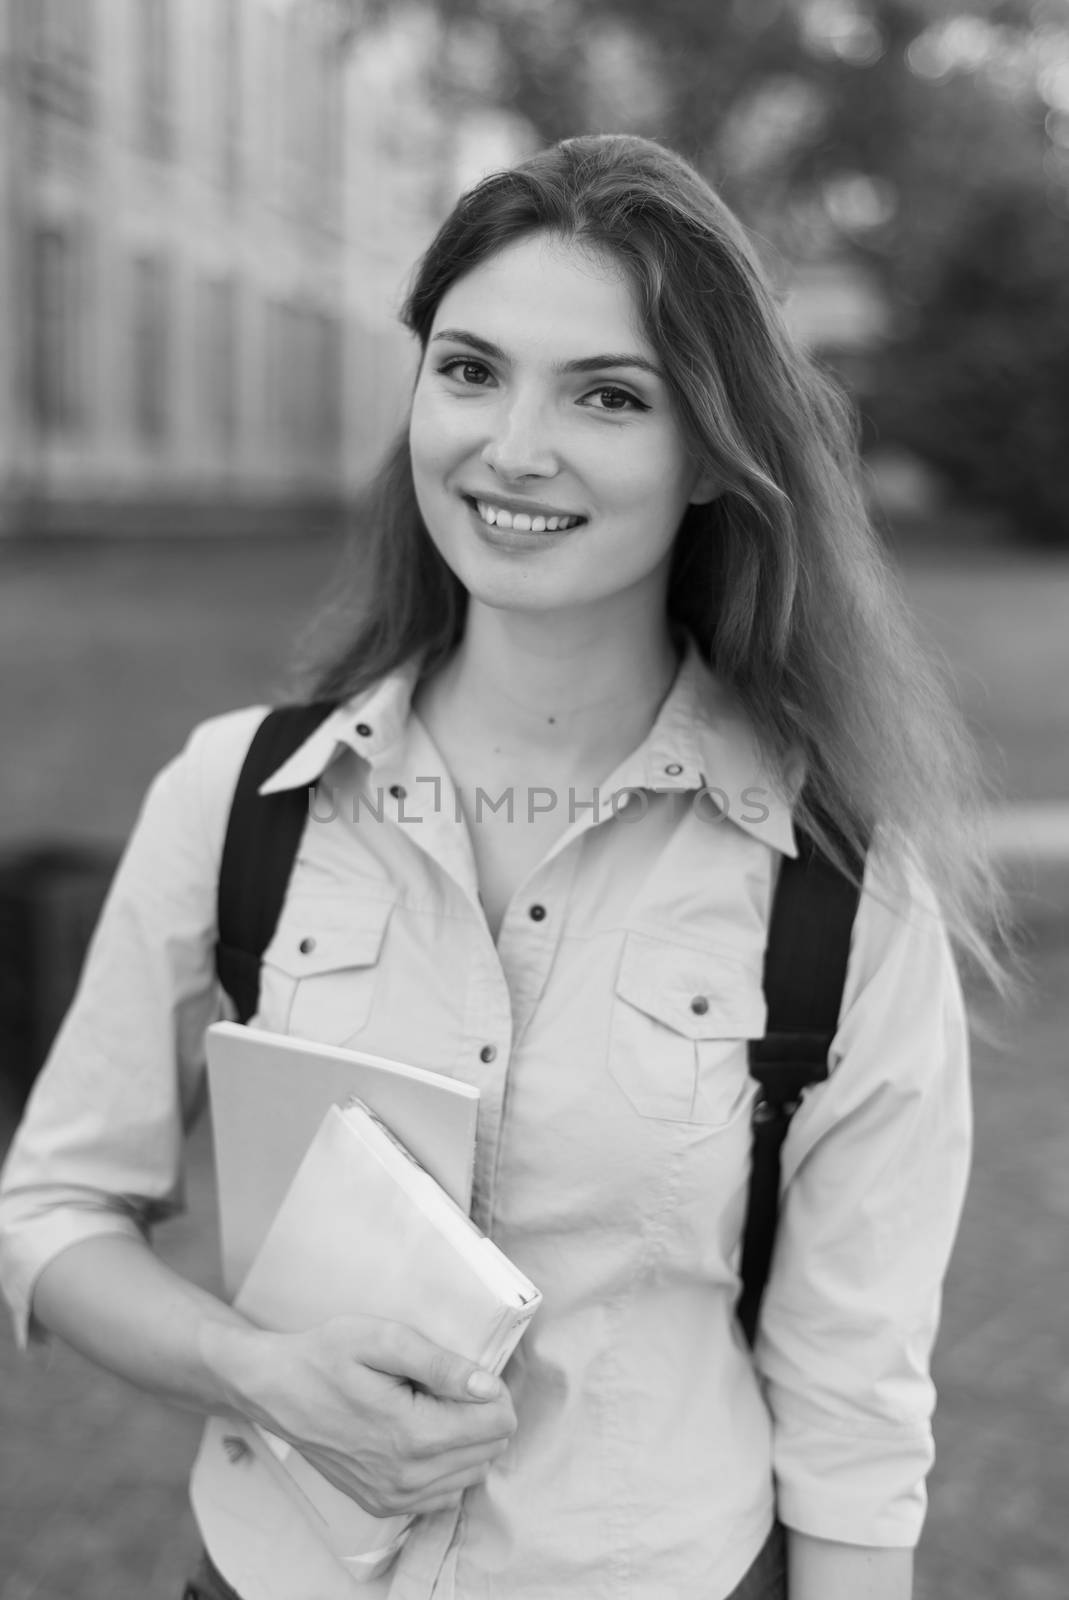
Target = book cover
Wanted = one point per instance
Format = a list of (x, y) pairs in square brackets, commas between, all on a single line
[(269, 1094), (364, 1230)]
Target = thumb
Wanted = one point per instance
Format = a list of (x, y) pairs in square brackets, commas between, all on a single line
[(404, 1353)]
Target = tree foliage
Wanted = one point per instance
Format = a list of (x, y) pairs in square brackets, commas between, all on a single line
[(902, 133), (978, 384)]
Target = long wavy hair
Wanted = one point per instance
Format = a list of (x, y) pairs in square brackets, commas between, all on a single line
[(781, 579)]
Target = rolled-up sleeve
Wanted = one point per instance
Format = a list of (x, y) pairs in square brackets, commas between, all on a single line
[(100, 1148), (874, 1174)]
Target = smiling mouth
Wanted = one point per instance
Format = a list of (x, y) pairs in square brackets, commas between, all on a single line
[(521, 521)]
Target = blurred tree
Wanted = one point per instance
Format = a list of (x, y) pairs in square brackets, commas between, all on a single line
[(978, 384), (830, 124), (899, 133)]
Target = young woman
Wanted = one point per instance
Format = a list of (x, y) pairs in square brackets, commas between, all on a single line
[(617, 564)]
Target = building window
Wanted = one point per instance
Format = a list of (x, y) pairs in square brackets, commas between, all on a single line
[(57, 291), (274, 103), (332, 136), (150, 349), (60, 42), (219, 363), (154, 75), (297, 103), (273, 369), (230, 76), (328, 335)]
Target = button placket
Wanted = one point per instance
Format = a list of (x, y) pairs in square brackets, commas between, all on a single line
[(487, 1032)]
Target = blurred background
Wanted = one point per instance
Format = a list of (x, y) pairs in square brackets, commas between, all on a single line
[(208, 209)]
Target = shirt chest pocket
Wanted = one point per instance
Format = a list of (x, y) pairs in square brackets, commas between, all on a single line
[(320, 970), (681, 1021)]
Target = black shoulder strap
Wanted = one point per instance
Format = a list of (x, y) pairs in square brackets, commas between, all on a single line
[(805, 968), (262, 836)]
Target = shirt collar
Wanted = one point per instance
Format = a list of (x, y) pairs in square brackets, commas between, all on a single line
[(701, 739), (370, 723)]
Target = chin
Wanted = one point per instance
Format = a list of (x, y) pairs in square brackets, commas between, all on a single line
[(513, 594)]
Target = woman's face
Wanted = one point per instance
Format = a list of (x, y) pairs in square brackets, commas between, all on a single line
[(549, 466)]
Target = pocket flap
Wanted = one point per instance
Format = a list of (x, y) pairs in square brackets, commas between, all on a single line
[(320, 937), (702, 994)]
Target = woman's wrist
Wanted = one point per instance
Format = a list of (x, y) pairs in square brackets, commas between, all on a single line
[(233, 1354)]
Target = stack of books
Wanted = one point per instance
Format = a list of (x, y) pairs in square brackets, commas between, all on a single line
[(362, 1229)]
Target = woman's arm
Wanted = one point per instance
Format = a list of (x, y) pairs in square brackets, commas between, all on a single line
[(342, 1393), (98, 1160), (818, 1569), (874, 1174)]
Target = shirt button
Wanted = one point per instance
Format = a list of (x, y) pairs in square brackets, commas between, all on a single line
[(364, 730), (488, 1052), (673, 769), (537, 913), (307, 945), (699, 1005), (398, 791)]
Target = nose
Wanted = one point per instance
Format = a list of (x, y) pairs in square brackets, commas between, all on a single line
[(520, 445)]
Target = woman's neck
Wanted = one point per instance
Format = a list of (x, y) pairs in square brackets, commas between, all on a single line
[(560, 691)]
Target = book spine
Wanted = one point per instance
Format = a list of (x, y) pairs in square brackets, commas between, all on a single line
[(505, 1336)]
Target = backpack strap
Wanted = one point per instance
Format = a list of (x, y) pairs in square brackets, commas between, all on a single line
[(262, 836), (805, 969)]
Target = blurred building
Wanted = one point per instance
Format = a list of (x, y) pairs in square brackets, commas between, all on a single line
[(412, 147), (172, 263), (210, 209)]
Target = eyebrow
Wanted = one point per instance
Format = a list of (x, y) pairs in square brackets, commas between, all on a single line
[(585, 364)]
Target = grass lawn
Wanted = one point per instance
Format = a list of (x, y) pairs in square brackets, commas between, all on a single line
[(1001, 623), (996, 1528), (109, 653)]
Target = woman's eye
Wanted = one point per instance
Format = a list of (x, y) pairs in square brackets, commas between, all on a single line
[(613, 399), (465, 370)]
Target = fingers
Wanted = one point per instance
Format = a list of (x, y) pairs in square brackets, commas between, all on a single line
[(399, 1350), (434, 1471), (416, 1485), (435, 1427), (386, 1414), (448, 1491), (411, 1486)]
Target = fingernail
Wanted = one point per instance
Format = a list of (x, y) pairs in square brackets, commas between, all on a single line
[(483, 1385)]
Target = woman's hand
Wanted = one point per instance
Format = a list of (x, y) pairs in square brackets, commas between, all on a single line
[(385, 1415), (394, 1421)]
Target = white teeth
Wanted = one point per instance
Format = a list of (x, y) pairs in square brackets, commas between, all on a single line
[(498, 517)]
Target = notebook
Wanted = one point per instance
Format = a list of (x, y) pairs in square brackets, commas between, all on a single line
[(364, 1230), (269, 1094)]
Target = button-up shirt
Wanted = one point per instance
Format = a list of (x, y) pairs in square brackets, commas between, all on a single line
[(606, 1031)]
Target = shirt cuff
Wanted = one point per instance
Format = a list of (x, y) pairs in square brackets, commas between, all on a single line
[(862, 1489), (29, 1247)]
